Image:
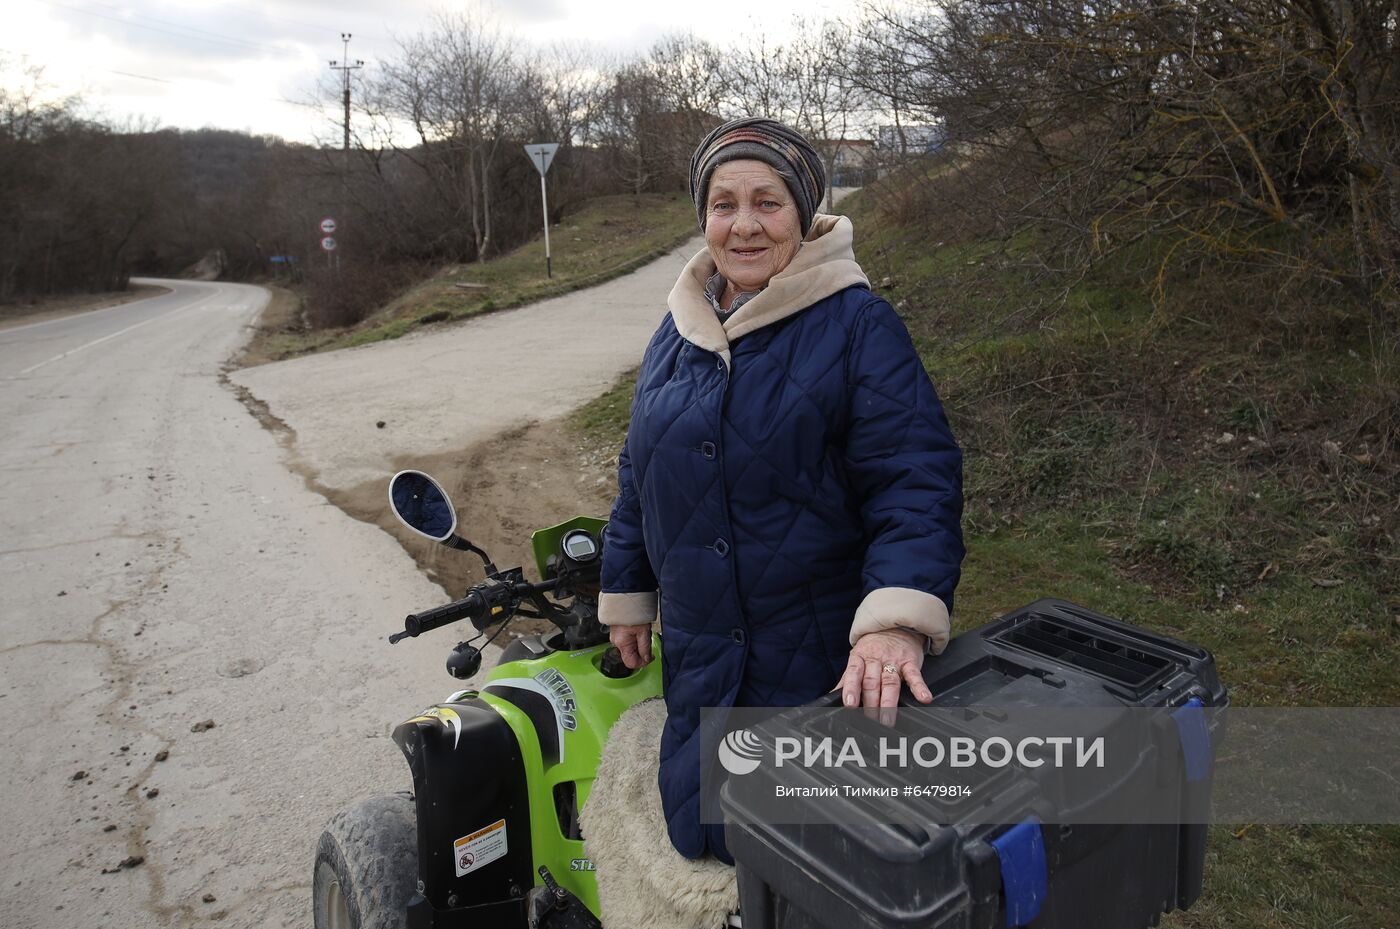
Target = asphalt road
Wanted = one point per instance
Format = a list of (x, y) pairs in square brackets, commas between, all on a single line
[(160, 567), (164, 564)]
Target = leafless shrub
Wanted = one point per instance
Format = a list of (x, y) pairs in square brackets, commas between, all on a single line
[(339, 296), (1245, 130)]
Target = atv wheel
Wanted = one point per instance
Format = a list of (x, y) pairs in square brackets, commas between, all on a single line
[(367, 865)]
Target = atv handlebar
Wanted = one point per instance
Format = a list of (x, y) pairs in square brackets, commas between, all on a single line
[(469, 607), (490, 601)]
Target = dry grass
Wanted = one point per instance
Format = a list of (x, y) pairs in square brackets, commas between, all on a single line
[(281, 320)]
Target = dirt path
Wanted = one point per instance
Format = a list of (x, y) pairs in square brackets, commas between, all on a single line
[(358, 413), (481, 405)]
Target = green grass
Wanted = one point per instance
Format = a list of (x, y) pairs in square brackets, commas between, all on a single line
[(1165, 457), (1273, 877), (603, 420), (608, 237), (1214, 460)]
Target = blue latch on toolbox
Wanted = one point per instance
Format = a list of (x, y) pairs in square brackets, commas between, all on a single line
[(1194, 733), (1024, 877)]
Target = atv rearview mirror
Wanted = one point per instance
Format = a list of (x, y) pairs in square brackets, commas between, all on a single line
[(422, 505)]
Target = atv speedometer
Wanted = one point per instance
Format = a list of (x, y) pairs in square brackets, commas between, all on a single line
[(580, 546)]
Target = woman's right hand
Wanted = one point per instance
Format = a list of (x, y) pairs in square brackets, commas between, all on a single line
[(634, 642)]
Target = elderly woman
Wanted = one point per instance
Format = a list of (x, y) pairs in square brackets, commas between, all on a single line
[(789, 493)]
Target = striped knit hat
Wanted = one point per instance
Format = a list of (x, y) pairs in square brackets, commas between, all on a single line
[(769, 141)]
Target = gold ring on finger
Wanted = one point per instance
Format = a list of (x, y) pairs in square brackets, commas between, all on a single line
[(890, 669)]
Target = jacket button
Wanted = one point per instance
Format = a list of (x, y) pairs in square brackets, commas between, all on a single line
[(720, 547), (719, 363), (738, 636), (708, 450)]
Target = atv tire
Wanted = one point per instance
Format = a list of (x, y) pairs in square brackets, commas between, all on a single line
[(367, 865)]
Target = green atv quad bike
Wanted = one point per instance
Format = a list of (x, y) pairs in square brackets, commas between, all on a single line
[(489, 838)]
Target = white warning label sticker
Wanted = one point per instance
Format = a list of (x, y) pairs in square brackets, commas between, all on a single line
[(481, 847)]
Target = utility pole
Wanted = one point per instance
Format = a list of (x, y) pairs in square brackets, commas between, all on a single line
[(345, 66)]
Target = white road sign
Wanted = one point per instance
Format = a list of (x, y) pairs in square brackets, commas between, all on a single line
[(328, 225), (328, 243), (541, 154)]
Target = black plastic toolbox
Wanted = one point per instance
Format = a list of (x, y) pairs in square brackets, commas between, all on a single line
[(958, 872)]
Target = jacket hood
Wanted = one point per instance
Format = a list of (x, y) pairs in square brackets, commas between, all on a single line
[(824, 265)]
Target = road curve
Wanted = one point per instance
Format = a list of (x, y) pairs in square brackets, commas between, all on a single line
[(160, 567)]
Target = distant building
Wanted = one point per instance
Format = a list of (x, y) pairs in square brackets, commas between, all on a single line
[(898, 141), (851, 162)]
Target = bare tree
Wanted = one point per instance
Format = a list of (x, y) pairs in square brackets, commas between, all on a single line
[(687, 73), (559, 85), (757, 80), (827, 99), (457, 86), (561, 89), (78, 198), (623, 124)]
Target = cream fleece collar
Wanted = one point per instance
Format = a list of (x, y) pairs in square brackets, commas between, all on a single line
[(823, 265)]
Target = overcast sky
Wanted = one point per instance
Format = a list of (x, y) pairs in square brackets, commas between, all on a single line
[(253, 65)]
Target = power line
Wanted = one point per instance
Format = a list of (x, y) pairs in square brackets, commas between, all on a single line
[(144, 77), (215, 35), (211, 37), (198, 33), (189, 84), (206, 36), (295, 22)]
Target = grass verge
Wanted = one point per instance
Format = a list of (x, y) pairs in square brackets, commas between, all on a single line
[(278, 325)]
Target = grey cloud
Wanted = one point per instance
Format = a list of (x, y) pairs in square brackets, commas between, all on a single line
[(245, 31)]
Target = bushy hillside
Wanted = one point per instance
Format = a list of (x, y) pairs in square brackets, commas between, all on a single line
[(1206, 452), (1212, 453)]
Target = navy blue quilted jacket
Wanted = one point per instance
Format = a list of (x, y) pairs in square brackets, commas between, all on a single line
[(782, 473)]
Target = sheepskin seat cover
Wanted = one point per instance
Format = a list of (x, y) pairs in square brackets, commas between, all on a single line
[(643, 882)]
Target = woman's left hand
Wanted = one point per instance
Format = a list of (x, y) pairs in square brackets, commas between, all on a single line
[(879, 663)]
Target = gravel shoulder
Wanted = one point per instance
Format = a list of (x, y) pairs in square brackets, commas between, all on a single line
[(41, 311)]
